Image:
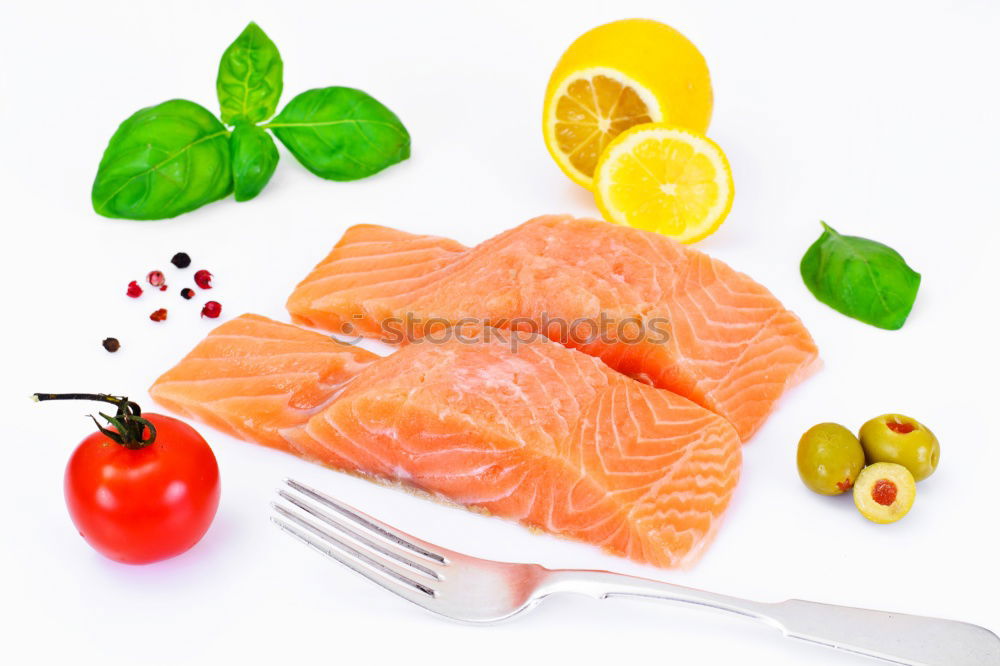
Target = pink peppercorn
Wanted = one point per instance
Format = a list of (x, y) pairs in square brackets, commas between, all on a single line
[(203, 279), (211, 310)]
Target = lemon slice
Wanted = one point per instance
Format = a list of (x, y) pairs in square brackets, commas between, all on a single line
[(616, 76), (662, 178), (590, 110)]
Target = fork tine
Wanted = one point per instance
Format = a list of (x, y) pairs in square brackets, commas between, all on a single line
[(354, 535), (387, 532), (332, 546)]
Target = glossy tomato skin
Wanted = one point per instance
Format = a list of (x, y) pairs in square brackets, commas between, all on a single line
[(143, 505)]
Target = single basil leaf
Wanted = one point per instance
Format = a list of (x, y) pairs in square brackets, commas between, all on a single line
[(162, 161), (341, 133), (250, 78), (860, 278), (254, 159)]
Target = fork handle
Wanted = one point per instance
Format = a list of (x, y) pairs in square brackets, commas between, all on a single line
[(910, 640)]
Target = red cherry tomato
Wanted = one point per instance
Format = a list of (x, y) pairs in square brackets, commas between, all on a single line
[(140, 505)]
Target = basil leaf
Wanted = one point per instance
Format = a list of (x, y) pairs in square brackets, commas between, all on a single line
[(860, 278), (341, 133), (164, 160), (254, 159), (250, 78)]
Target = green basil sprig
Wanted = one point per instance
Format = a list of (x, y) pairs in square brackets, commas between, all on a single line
[(860, 278), (171, 158)]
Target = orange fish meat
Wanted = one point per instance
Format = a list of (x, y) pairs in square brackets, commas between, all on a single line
[(504, 421), (705, 331)]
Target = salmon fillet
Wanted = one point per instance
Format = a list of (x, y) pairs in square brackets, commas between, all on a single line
[(254, 378), (513, 424), (705, 331)]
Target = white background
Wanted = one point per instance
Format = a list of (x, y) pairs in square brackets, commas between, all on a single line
[(879, 117)]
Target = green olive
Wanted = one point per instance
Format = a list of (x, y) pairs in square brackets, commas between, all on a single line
[(884, 492), (830, 458), (899, 439)]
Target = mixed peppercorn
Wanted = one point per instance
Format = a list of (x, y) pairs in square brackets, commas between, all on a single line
[(157, 279)]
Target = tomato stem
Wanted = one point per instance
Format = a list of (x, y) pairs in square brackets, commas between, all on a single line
[(127, 423)]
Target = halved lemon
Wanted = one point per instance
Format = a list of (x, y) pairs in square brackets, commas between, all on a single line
[(616, 76), (662, 178)]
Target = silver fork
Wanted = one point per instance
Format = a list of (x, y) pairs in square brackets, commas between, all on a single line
[(470, 589)]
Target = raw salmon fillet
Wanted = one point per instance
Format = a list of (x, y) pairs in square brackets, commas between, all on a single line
[(730, 345), (513, 424)]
